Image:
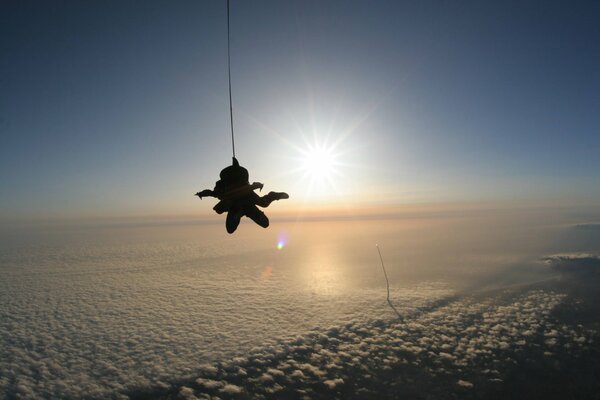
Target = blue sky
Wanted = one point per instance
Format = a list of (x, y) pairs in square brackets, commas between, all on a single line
[(121, 108)]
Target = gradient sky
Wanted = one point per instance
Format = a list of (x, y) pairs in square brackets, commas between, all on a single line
[(117, 108)]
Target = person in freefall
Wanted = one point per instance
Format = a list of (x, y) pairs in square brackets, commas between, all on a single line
[(237, 197)]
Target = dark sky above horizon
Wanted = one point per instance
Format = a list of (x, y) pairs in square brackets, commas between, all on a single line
[(121, 107)]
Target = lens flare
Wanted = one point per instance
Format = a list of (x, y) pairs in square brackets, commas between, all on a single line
[(282, 239)]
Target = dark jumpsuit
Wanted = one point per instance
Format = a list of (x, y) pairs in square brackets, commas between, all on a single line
[(237, 197)]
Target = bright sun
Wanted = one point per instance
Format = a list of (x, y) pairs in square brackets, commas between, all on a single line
[(318, 164)]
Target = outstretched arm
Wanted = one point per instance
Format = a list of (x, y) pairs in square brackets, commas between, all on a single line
[(205, 193)]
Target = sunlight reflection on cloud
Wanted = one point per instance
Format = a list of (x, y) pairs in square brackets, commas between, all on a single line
[(266, 273)]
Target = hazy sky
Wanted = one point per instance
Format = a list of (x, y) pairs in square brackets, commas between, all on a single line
[(121, 107)]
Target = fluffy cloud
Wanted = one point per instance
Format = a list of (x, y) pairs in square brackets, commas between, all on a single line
[(466, 344), (575, 263), (79, 325), (570, 257)]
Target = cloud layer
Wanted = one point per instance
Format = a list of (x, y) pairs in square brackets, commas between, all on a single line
[(100, 316), (93, 320), (465, 348)]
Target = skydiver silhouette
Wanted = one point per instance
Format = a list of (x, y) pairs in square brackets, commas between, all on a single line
[(236, 196)]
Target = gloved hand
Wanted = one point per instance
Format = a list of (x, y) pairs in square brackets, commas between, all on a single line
[(204, 193)]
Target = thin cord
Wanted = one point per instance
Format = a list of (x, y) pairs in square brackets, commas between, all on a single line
[(388, 284), (229, 71)]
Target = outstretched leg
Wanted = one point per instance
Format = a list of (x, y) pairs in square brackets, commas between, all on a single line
[(221, 207), (271, 197), (233, 220), (257, 216)]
